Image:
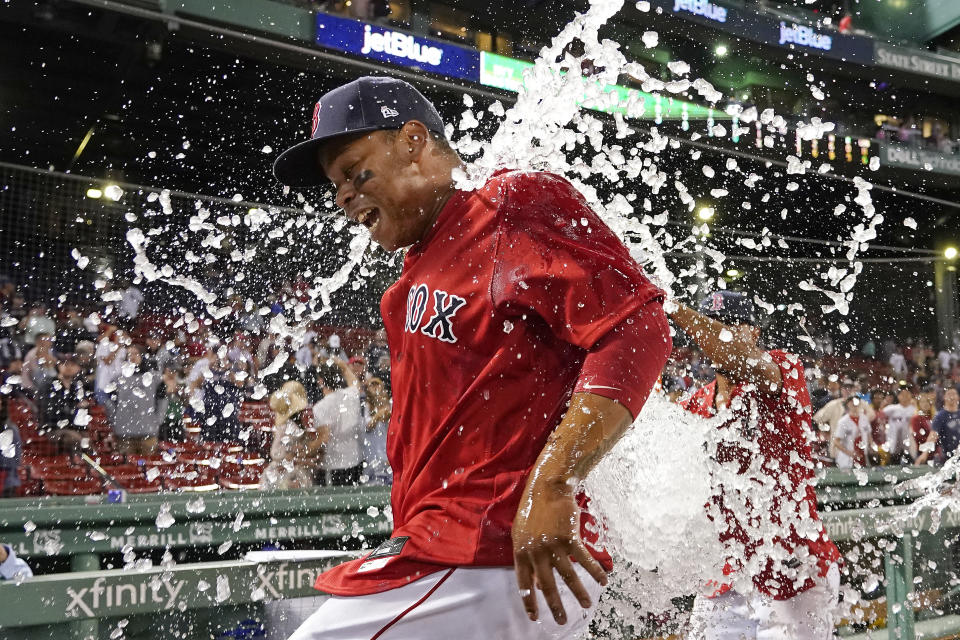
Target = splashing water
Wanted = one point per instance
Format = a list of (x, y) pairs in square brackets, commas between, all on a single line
[(652, 488)]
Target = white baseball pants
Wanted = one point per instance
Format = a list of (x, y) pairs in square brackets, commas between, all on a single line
[(466, 603), (732, 616)]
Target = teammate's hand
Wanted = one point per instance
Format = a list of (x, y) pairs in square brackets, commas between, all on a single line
[(546, 534)]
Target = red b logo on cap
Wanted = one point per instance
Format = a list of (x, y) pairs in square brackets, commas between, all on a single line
[(315, 120)]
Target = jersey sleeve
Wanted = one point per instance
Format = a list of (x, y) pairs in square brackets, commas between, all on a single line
[(625, 363), (794, 384), (556, 258)]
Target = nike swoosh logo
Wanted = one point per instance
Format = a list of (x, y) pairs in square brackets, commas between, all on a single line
[(598, 386)]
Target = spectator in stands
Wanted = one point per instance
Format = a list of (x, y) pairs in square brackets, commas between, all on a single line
[(899, 437), (7, 289), (920, 423), (898, 362), (11, 452), (869, 349), (36, 322), (852, 427), (295, 450), (171, 429), (110, 355), (86, 360), (40, 365), (307, 354), (334, 350), (945, 358), (239, 351), (163, 352), (18, 307), (223, 392), (12, 567), (376, 467), (9, 348), (61, 415), (71, 332), (141, 403), (130, 302), (878, 425), (945, 429), (830, 390), (339, 413), (378, 357)]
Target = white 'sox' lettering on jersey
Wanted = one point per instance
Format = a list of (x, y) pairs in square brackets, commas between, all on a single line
[(445, 307)]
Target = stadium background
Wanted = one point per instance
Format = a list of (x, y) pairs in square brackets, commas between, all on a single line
[(186, 96)]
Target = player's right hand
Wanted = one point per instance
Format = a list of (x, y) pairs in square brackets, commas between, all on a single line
[(546, 535)]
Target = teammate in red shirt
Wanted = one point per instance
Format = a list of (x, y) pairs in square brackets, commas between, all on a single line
[(523, 341), (772, 532)]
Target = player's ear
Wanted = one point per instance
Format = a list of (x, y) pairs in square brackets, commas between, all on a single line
[(412, 140)]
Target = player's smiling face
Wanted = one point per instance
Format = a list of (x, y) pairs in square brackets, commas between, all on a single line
[(377, 180)]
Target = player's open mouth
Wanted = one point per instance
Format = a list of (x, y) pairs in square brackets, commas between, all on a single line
[(369, 218)]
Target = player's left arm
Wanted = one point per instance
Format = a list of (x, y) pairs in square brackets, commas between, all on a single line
[(617, 376), (732, 348)]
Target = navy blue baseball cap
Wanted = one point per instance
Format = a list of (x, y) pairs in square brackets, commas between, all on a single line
[(366, 104), (729, 307)]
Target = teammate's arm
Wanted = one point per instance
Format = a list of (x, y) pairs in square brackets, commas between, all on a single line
[(732, 349), (546, 530)]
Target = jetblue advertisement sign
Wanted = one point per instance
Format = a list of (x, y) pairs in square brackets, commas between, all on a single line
[(804, 37), (702, 8), (767, 29), (397, 47)]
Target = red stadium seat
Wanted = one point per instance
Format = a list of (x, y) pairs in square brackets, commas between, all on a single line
[(203, 480), (125, 471), (142, 485), (90, 486), (242, 479), (61, 474)]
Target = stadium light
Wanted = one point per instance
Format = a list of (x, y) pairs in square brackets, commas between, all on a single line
[(733, 273), (113, 192), (94, 193), (721, 50), (950, 253), (705, 213)]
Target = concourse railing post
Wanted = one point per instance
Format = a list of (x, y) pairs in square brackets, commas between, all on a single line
[(898, 566)]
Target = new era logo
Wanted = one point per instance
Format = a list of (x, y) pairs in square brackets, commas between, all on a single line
[(388, 112)]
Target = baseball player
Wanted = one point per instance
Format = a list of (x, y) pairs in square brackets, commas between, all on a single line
[(766, 397), (523, 341)]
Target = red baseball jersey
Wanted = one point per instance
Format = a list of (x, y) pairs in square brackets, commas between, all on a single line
[(488, 326), (778, 425)]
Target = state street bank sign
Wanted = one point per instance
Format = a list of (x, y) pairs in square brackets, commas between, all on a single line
[(397, 47), (922, 62)]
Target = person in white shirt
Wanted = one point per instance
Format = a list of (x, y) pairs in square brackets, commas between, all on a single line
[(853, 424), (899, 433), (339, 413), (898, 362), (946, 360), (110, 355), (12, 567)]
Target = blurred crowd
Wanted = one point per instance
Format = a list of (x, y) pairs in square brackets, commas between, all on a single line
[(163, 380), (324, 402)]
